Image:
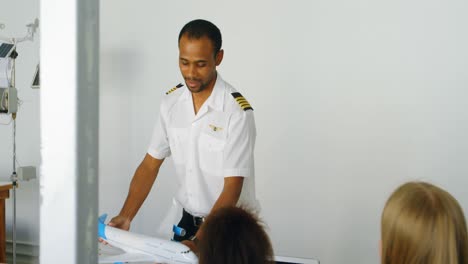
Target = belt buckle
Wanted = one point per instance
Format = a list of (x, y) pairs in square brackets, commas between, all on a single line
[(198, 221)]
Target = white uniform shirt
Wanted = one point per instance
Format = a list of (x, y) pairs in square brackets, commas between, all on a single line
[(215, 143)]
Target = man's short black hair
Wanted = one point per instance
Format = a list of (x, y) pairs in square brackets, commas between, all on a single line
[(199, 28)]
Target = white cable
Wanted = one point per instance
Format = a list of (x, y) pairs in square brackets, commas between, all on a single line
[(32, 27), (17, 162), (14, 181), (14, 177)]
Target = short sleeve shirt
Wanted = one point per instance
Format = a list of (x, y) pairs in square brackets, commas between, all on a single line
[(215, 143)]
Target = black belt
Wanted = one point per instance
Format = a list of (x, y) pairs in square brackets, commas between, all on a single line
[(197, 220)]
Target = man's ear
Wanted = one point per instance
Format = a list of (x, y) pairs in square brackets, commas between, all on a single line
[(219, 57)]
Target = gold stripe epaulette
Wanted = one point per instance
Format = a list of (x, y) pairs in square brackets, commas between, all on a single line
[(244, 104), (174, 88)]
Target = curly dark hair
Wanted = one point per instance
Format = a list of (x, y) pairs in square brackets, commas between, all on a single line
[(233, 235)]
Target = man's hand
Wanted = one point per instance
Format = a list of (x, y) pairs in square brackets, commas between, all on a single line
[(120, 222), (190, 244)]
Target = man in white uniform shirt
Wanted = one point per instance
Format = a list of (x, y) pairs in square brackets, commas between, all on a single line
[(208, 129)]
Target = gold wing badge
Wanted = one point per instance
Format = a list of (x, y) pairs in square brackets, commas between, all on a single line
[(244, 104), (215, 128), (175, 88)]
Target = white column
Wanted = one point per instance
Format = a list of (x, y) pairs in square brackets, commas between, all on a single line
[(69, 131)]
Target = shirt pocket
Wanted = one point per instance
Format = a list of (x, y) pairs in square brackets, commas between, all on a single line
[(178, 138), (211, 150)]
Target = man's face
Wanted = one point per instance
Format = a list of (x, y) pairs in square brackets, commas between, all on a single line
[(197, 63)]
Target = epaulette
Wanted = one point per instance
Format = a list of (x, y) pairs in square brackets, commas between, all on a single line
[(175, 88), (244, 104)]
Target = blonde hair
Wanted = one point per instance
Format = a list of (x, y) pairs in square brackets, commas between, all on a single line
[(421, 223)]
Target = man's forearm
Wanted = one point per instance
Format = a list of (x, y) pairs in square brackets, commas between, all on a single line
[(229, 196), (140, 186)]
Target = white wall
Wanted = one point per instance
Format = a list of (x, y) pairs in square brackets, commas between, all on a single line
[(15, 15), (351, 99)]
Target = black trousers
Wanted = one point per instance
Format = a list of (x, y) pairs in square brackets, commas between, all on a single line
[(188, 224)]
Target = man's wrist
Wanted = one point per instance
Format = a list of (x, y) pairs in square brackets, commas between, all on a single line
[(194, 239)]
